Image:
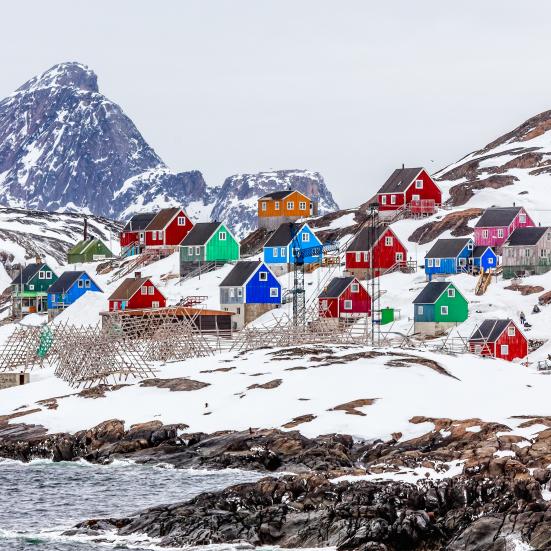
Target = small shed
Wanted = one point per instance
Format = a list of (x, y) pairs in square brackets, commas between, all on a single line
[(344, 297), (91, 249), (499, 338), (484, 258)]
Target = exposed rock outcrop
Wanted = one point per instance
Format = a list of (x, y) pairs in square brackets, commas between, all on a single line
[(457, 222)]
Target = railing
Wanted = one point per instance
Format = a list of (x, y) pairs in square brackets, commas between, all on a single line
[(192, 300), (422, 207), (203, 268)]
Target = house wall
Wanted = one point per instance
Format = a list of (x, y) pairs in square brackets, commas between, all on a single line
[(295, 197), (361, 302), (139, 301), (230, 295), (174, 233), (189, 254), (328, 307), (488, 260), (254, 311), (534, 259), (276, 255), (128, 237), (432, 328), (225, 250), (427, 315), (258, 292), (458, 308), (493, 239), (384, 256)]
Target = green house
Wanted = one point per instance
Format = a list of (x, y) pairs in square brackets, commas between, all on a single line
[(439, 306), (88, 250), (30, 289), (208, 242)]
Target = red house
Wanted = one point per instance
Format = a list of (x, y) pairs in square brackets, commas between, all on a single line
[(168, 228), (409, 188), (133, 234), (375, 251), (344, 297), (136, 293), (499, 339)]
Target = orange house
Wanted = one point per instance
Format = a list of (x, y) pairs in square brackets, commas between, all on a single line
[(284, 206)]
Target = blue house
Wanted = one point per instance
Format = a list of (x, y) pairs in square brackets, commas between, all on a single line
[(249, 290), (279, 250), (67, 289), (448, 257), (484, 258)]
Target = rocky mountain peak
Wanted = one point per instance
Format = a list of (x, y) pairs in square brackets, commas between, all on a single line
[(70, 74)]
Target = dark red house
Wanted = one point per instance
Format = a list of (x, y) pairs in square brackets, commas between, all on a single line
[(499, 338), (136, 293), (344, 297), (133, 234), (168, 228), (374, 251), (409, 188)]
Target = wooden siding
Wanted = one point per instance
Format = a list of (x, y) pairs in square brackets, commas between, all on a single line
[(333, 307), (492, 237), (222, 250), (295, 197), (531, 258)]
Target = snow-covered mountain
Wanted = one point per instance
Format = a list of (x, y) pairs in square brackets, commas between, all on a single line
[(236, 201), (65, 146)]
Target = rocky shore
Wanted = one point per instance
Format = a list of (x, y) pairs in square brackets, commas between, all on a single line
[(465, 485)]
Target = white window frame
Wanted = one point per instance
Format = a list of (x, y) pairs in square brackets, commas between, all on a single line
[(239, 292), (500, 233), (48, 275), (451, 292), (416, 197), (462, 261), (290, 205), (399, 257), (393, 199), (504, 349), (478, 349), (275, 252), (511, 331), (420, 310), (302, 205), (190, 250), (430, 263), (197, 249), (324, 304), (144, 290), (366, 256), (418, 184), (263, 206), (232, 292), (444, 310), (87, 284), (383, 199), (485, 234), (154, 235), (276, 205), (222, 236), (274, 292), (263, 276), (491, 260), (41, 274), (470, 246), (358, 256), (80, 284), (306, 237), (181, 220), (160, 235), (437, 263), (355, 288), (389, 241), (155, 304), (522, 218), (347, 304), (151, 289), (31, 287), (283, 252)]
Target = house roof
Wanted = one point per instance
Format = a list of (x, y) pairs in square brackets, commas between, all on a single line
[(447, 248), (497, 217), (65, 281), (526, 236), (366, 238), (128, 288), (283, 235), (400, 180), (480, 249), (81, 246), (27, 273), (431, 292), (163, 218), (336, 287), (200, 233), (278, 194), (139, 221), (240, 273), (490, 330)]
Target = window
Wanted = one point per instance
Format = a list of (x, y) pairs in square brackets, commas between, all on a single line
[(393, 199), (511, 331), (80, 284), (282, 252), (444, 310), (197, 250), (181, 220), (151, 290), (232, 292), (462, 261), (366, 256), (500, 232), (388, 241), (155, 304), (160, 234), (302, 205), (87, 284), (324, 304), (274, 292), (154, 235), (290, 205), (418, 184), (522, 218), (263, 276), (144, 290), (238, 310), (355, 288), (31, 287), (485, 234), (504, 349), (263, 205), (437, 263), (383, 199), (348, 305), (420, 310), (430, 262), (190, 251), (416, 197), (470, 246), (240, 291), (276, 205), (478, 349), (115, 305), (305, 237), (48, 275), (141, 236), (399, 257), (275, 250), (358, 256), (490, 260), (527, 252), (451, 292), (41, 275), (222, 236)]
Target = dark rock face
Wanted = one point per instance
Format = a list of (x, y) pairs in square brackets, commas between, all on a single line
[(457, 222), (63, 145), (236, 199)]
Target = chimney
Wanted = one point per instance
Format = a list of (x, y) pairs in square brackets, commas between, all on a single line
[(403, 166), (85, 232), (37, 259), (137, 275)]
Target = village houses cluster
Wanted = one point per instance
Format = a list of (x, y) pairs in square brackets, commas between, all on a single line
[(506, 239)]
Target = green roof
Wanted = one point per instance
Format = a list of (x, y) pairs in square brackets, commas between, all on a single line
[(81, 246)]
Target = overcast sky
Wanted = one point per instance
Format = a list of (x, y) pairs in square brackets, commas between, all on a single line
[(348, 88)]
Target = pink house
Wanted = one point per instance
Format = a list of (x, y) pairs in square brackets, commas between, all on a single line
[(497, 223)]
